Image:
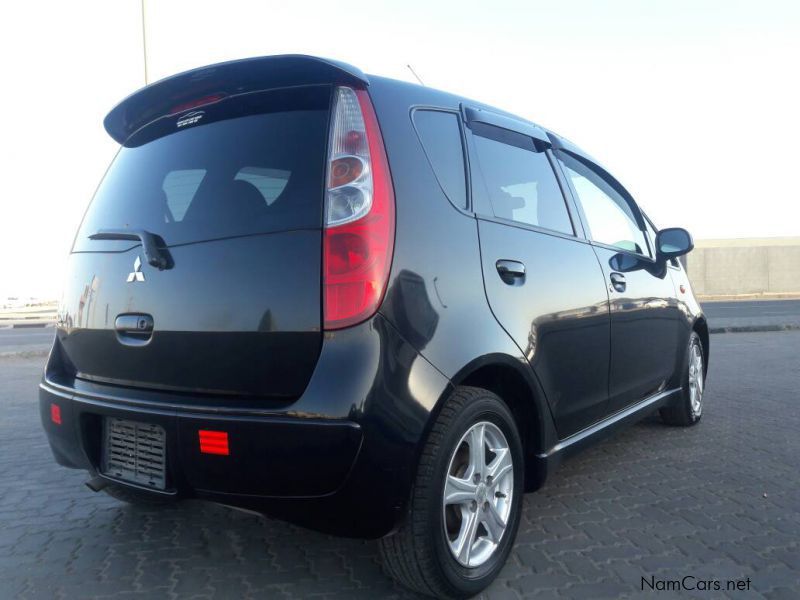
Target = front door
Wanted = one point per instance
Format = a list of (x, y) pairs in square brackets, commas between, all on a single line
[(645, 319)]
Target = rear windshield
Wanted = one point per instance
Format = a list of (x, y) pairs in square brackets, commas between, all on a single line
[(249, 164)]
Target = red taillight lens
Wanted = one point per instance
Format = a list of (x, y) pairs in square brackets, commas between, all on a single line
[(55, 414), (213, 442), (359, 214)]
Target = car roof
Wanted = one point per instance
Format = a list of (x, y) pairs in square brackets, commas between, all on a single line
[(241, 75)]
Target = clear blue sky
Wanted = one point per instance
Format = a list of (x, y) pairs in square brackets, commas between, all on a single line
[(692, 104)]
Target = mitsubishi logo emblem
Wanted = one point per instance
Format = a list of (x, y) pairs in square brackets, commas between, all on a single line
[(137, 274)]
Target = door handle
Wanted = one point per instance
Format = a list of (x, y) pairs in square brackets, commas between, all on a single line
[(618, 282), (134, 329), (511, 272)]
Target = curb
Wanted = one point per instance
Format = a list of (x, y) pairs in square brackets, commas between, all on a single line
[(749, 297), (754, 328), (27, 325), (25, 354)]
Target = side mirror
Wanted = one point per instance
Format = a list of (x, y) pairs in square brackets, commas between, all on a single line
[(673, 242)]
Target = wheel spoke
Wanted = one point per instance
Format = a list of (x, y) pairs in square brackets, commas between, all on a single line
[(466, 537), (458, 491), (494, 523), (501, 465), (477, 452), (697, 364)]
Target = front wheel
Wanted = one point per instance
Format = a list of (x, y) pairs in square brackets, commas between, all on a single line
[(465, 506), (689, 407)]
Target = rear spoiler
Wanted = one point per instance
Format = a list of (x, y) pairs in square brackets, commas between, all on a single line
[(221, 80)]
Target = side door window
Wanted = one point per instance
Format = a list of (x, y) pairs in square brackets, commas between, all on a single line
[(520, 181), (609, 217)]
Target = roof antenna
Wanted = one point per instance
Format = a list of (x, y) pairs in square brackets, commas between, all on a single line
[(144, 43), (414, 73)]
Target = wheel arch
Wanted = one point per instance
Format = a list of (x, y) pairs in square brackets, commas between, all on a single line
[(515, 384)]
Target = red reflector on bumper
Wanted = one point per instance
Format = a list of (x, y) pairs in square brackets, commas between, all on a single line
[(55, 414), (213, 442)]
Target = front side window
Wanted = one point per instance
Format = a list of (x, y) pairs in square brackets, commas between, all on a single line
[(521, 184), (610, 218)]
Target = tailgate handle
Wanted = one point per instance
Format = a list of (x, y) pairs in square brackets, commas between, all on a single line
[(134, 329)]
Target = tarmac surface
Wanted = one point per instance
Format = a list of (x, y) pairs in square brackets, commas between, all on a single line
[(753, 315), (653, 505)]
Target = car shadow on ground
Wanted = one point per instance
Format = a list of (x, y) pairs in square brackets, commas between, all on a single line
[(200, 548)]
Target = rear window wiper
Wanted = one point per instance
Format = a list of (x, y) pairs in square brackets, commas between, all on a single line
[(152, 253)]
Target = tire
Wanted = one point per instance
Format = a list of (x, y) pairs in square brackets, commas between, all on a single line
[(688, 409), (137, 497), (419, 554)]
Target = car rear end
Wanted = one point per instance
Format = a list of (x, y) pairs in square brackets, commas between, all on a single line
[(218, 334)]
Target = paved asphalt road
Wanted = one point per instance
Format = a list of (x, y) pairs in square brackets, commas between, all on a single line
[(15, 340), (753, 315), (719, 501)]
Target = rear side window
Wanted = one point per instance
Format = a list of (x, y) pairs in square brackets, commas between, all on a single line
[(440, 135), (520, 182), (610, 218), (250, 165)]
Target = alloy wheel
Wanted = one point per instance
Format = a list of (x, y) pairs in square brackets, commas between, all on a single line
[(696, 380), (477, 497)]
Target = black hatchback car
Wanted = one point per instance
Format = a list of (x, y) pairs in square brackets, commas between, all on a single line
[(364, 306)]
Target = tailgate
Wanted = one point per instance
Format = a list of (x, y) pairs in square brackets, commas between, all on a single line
[(229, 196)]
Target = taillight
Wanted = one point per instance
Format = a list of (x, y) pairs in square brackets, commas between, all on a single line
[(359, 214)]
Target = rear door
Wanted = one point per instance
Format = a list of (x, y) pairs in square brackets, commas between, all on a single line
[(542, 280), (233, 194), (645, 320)]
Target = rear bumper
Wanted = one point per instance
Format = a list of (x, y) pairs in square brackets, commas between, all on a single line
[(268, 456), (339, 459)]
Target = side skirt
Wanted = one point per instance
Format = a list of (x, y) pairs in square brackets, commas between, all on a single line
[(540, 465)]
